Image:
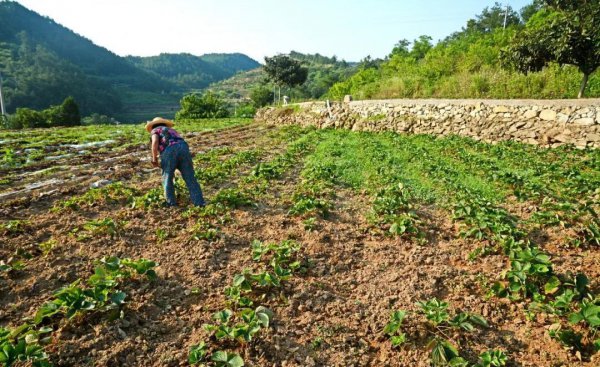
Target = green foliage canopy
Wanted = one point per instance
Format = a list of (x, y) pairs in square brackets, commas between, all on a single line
[(566, 32), (285, 71), (66, 114), (202, 106)]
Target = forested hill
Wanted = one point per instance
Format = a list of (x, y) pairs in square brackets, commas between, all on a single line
[(323, 72), (42, 63), (196, 72)]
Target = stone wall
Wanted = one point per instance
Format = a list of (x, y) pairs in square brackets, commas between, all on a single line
[(548, 123)]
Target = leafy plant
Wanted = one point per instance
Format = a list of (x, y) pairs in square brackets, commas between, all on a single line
[(392, 329), (492, 358), (24, 344), (443, 353), (197, 354), (226, 359)]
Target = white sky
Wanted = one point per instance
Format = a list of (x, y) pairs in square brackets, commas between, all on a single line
[(349, 29)]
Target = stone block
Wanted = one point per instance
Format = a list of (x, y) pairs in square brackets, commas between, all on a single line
[(591, 137), (530, 114), (563, 139), (587, 121), (548, 115)]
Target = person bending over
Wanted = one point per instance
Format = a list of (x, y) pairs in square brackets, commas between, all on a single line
[(174, 154)]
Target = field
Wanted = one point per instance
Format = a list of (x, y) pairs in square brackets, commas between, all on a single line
[(316, 248)]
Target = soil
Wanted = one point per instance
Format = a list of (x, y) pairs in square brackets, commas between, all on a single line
[(331, 315)]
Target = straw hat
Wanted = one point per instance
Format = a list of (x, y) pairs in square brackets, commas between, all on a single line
[(158, 120)]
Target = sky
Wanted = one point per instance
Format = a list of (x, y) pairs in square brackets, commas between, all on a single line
[(348, 29)]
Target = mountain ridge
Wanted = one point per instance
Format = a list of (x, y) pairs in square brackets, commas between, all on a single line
[(42, 62)]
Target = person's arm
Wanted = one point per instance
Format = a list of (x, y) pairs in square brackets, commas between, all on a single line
[(154, 150)]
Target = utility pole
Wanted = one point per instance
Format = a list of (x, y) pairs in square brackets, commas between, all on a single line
[(505, 15), (2, 109)]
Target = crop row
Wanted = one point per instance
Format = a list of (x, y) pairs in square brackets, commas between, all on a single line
[(245, 318), (99, 293)]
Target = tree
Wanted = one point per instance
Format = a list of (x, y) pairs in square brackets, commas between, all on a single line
[(70, 113), (400, 48), (493, 18), (261, 96), (285, 71), (564, 31), (421, 46), (529, 11), (25, 118), (197, 106)]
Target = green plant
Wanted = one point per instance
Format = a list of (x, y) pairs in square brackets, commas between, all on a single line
[(567, 337), (589, 313), (226, 359), (14, 227), (392, 329), (11, 264), (24, 344), (492, 358), (197, 353), (443, 353), (101, 227)]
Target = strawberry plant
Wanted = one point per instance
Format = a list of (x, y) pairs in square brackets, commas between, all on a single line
[(443, 353), (589, 313), (15, 227), (197, 353), (11, 264), (226, 359), (100, 227), (100, 294), (392, 206), (492, 358), (24, 344), (567, 337), (392, 329), (250, 323), (231, 198)]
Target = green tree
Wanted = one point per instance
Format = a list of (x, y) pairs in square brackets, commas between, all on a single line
[(564, 31), (421, 47), (493, 18), (26, 118), (400, 48), (529, 11), (70, 113), (285, 71), (202, 106), (261, 96)]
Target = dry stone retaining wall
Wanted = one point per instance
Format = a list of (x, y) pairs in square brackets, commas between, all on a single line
[(548, 123)]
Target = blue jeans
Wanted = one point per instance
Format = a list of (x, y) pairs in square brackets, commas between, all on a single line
[(178, 156)]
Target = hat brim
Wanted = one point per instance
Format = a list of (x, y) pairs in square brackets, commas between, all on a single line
[(150, 124)]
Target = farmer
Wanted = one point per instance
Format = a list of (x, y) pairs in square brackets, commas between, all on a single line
[(174, 154)]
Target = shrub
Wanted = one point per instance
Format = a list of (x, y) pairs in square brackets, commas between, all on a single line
[(202, 106)]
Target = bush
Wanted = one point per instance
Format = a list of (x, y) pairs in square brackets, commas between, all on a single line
[(26, 118), (67, 114), (97, 119), (261, 96), (202, 106), (245, 111)]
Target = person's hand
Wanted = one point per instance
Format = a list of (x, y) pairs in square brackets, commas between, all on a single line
[(155, 164)]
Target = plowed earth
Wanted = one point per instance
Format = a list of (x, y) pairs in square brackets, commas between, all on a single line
[(332, 314)]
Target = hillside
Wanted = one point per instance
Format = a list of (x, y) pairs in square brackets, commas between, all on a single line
[(467, 64), (42, 62), (194, 72), (323, 72)]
